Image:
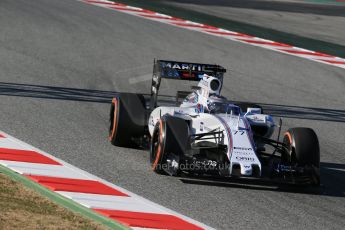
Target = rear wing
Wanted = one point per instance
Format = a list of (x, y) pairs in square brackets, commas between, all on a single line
[(186, 71), (180, 71)]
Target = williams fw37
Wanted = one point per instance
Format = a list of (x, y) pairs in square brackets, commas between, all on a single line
[(205, 133)]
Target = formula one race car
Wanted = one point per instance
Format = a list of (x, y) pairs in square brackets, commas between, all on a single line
[(208, 134)]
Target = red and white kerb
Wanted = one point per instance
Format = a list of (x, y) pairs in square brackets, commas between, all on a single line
[(88, 190)]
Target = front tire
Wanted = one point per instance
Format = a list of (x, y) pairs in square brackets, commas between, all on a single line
[(303, 151), (170, 136)]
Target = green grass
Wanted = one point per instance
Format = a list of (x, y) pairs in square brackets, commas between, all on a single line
[(26, 204), (23, 208)]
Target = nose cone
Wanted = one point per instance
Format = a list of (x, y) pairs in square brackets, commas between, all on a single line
[(246, 169)]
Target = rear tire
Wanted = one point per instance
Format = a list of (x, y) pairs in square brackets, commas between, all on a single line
[(170, 136), (127, 119), (303, 150)]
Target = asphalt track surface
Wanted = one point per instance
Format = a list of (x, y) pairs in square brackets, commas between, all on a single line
[(62, 61), (317, 20)]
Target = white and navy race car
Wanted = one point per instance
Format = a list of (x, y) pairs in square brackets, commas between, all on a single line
[(208, 134)]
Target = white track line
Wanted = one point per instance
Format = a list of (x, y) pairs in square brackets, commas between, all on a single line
[(43, 170), (113, 202)]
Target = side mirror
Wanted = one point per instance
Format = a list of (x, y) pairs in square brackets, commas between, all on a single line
[(254, 110)]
